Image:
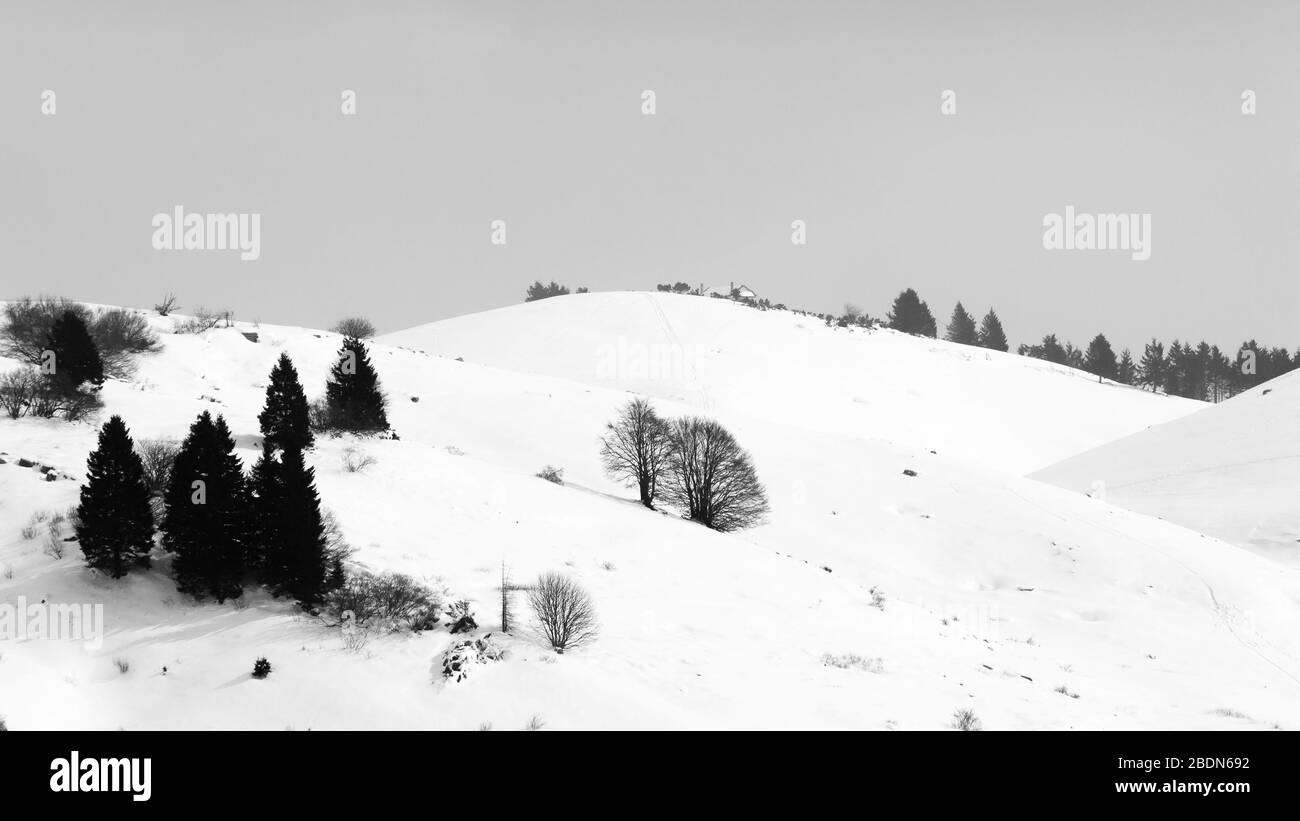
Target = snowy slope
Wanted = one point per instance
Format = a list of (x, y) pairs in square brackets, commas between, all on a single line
[(998, 409), (1231, 470), (995, 590)]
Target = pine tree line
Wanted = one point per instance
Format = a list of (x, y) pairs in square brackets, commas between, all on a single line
[(223, 528)]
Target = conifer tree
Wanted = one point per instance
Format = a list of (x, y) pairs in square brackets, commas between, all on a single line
[(207, 520), (911, 315), (1100, 358), (1126, 372), (353, 399), (1151, 370), (264, 533), (76, 357), (961, 328), (991, 335), (300, 555), (114, 519), (284, 419)]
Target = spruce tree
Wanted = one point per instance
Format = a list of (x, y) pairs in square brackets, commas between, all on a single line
[(76, 357), (284, 419), (991, 335), (961, 328), (264, 531), (1126, 372), (207, 521), (1100, 359), (1151, 370), (353, 399), (300, 554), (114, 519), (911, 315)]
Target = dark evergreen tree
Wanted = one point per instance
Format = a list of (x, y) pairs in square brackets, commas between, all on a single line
[(991, 335), (911, 315), (1151, 371), (264, 483), (284, 419), (207, 522), (961, 327), (1050, 350), (1073, 356), (353, 399), (1100, 359), (300, 555), (1126, 372), (114, 519), (76, 357)]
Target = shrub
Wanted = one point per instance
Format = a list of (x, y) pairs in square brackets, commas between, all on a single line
[(355, 461), (356, 327), (18, 389), (3, 726), (118, 333), (158, 456), (167, 305), (202, 320), (712, 477), (54, 547), (566, 617), (552, 474), (391, 601), (539, 290), (852, 661), (534, 724), (877, 598), (966, 721), (123, 666), (261, 668)]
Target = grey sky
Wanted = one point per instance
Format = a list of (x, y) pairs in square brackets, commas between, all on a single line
[(767, 112)]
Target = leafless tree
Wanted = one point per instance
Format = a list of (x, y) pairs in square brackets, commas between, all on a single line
[(158, 457), (355, 326), (712, 477), (169, 303), (18, 391), (566, 617), (635, 448)]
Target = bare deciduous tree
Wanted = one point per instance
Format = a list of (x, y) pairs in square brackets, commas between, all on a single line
[(169, 303), (712, 477), (635, 448), (566, 617), (158, 456), (356, 327)]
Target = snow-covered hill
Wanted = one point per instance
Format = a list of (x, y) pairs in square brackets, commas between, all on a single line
[(871, 598), (1001, 410), (1231, 470)]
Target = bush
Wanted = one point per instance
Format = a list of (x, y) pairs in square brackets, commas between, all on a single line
[(355, 461), (167, 305), (539, 290), (552, 474), (18, 390), (356, 327), (261, 668), (712, 477), (118, 333), (123, 666), (203, 320), (966, 721), (158, 457), (391, 601), (566, 617)]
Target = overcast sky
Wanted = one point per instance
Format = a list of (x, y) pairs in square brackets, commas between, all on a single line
[(767, 112)]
